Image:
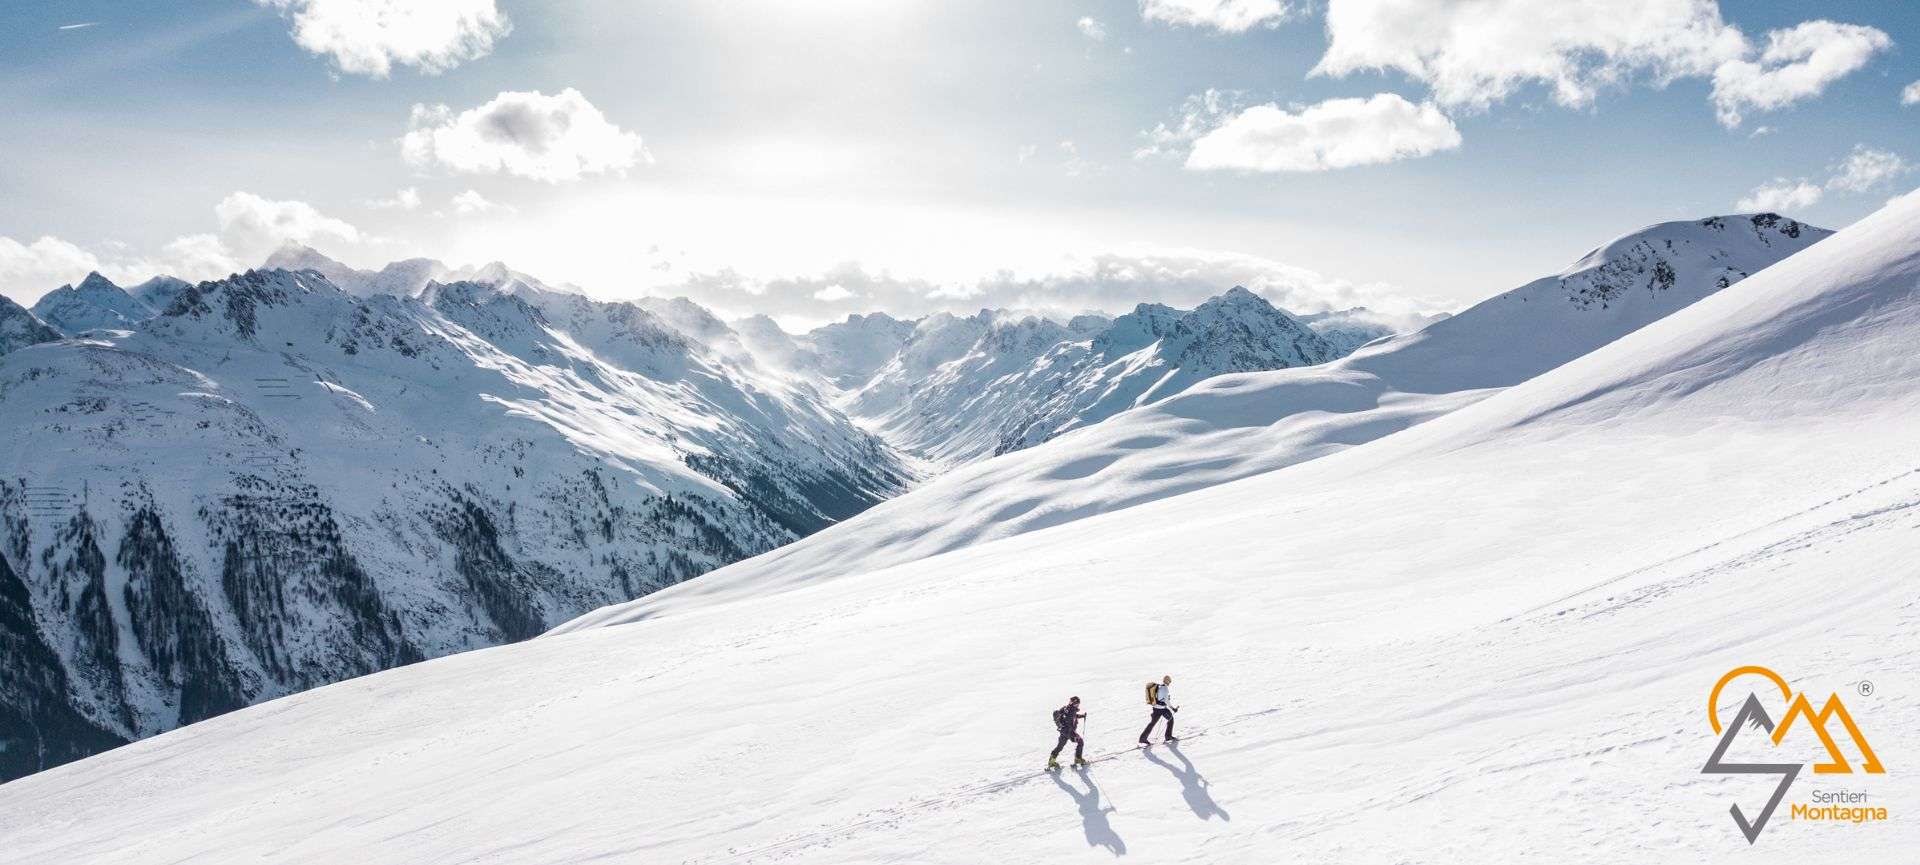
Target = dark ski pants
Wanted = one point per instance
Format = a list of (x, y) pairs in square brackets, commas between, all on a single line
[(1158, 713), (1079, 744)]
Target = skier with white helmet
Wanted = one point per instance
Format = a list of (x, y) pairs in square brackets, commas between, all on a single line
[(1160, 699)]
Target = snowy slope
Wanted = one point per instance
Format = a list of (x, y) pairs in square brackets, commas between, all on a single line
[(95, 303), (1486, 639), (158, 293), (20, 328), (1233, 426), (967, 388), (847, 353), (276, 485), (1349, 329)]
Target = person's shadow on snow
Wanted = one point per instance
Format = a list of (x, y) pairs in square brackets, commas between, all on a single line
[(1093, 818), (1193, 787)]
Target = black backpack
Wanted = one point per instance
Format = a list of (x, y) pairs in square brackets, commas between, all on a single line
[(1061, 717)]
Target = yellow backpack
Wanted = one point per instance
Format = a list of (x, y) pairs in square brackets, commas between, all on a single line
[(1153, 692)]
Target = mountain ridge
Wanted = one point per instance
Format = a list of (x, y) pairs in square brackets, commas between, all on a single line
[(1612, 533), (96, 302), (275, 484), (1235, 426)]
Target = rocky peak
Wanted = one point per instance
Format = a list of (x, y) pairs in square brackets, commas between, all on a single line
[(95, 303), (1145, 325), (20, 328), (1239, 331), (237, 302), (1704, 255), (94, 282)]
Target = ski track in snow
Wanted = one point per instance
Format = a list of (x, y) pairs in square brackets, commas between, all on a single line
[(1495, 761)]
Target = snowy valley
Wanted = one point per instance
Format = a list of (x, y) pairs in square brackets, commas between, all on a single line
[(221, 493), (1177, 432), (1234, 426), (1481, 633)]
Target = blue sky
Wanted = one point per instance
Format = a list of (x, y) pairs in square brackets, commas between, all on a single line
[(814, 157)]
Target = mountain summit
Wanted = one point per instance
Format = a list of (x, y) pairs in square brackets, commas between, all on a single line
[(962, 389), (95, 303), (276, 484)]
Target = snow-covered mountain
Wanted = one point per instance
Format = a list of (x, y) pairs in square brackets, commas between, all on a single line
[(1349, 329), (158, 293), (401, 278), (407, 277), (848, 353), (644, 442), (1233, 426), (20, 328), (1486, 638), (275, 484), (95, 303), (966, 388)]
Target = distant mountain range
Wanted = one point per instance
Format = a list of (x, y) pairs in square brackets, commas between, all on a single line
[(273, 484), (964, 388), (219, 493), (1434, 571), (954, 389), (1234, 426)]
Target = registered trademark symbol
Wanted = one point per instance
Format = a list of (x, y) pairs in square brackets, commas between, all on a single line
[(1866, 688)]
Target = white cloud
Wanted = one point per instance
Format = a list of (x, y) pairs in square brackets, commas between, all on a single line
[(1198, 116), (555, 138), (193, 257), (1232, 16), (1337, 133), (1866, 168), (252, 227), (1781, 195), (1479, 53), (832, 293), (368, 37), (1074, 165), (28, 270), (1109, 282), (1910, 95), (405, 199), (1092, 29), (472, 202), (1797, 64), (1475, 54)]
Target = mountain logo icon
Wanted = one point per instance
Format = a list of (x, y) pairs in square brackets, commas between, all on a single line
[(1753, 713)]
